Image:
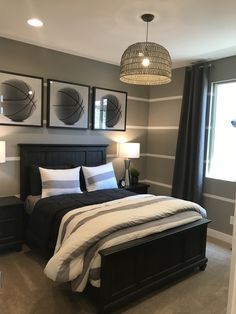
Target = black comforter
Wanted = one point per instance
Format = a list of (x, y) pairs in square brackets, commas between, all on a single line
[(44, 223)]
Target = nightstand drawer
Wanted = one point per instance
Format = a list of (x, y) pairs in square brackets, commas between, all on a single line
[(8, 213), (11, 219), (8, 230)]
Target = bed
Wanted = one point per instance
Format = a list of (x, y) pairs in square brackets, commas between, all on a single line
[(129, 269)]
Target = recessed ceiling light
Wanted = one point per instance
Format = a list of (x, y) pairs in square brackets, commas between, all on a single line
[(35, 22)]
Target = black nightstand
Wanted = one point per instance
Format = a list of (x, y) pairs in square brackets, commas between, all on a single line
[(140, 188), (11, 218)]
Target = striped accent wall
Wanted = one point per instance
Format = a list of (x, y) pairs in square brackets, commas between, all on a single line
[(10, 171), (17, 57), (164, 115), (163, 125), (152, 119)]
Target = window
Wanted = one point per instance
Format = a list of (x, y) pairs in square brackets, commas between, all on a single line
[(222, 135)]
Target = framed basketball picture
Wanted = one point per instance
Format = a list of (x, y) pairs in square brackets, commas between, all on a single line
[(21, 98), (109, 109), (68, 105)]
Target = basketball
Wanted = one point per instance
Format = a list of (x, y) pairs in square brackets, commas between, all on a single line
[(69, 105), (18, 100), (113, 110)]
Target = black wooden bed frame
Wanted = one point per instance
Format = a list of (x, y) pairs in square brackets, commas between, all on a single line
[(131, 269)]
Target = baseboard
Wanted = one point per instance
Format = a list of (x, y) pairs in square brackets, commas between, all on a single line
[(219, 235)]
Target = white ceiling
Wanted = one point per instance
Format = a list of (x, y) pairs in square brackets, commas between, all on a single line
[(102, 29)]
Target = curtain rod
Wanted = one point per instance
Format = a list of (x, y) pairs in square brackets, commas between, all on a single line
[(201, 65)]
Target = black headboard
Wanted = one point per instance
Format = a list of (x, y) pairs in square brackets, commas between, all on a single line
[(55, 155)]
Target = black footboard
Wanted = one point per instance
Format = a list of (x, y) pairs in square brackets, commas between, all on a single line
[(130, 269)]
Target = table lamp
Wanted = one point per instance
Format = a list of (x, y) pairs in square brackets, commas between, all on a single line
[(2, 151), (127, 151)]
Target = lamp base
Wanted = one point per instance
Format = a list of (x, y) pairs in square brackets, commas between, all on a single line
[(127, 176)]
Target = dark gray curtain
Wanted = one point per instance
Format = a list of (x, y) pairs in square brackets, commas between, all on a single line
[(189, 162)]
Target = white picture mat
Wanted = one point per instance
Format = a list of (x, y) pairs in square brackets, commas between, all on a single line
[(36, 85), (82, 90), (122, 101)]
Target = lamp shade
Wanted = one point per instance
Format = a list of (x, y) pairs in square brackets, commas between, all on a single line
[(129, 150), (156, 70), (2, 151)]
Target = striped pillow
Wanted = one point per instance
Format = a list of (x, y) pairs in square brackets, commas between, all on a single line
[(100, 177), (59, 181)]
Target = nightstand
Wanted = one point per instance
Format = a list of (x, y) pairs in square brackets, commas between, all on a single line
[(11, 218), (140, 188)]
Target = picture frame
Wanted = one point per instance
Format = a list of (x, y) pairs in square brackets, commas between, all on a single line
[(109, 109), (21, 99), (68, 105)]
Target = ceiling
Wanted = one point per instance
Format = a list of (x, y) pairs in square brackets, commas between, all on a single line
[(191, 30)]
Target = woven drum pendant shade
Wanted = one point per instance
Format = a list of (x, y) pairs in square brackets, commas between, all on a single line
[(133, 69)]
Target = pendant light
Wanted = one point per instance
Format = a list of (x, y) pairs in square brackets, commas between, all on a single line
[(145, 63)]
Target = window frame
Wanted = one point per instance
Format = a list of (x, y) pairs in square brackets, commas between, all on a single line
[(212, 125)]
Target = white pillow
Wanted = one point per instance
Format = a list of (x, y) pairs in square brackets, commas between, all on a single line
[(63, 181), (100, 177)]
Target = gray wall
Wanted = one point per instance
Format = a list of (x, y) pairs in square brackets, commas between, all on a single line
[(164, 114), (152, 120), (32, 60)]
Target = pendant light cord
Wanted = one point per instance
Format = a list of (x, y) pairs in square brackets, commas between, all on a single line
[(147, 33)]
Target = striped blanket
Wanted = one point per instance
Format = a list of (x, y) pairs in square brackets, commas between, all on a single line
[(85, 231)]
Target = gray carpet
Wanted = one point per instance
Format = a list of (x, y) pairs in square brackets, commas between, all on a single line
[(25, 289)]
